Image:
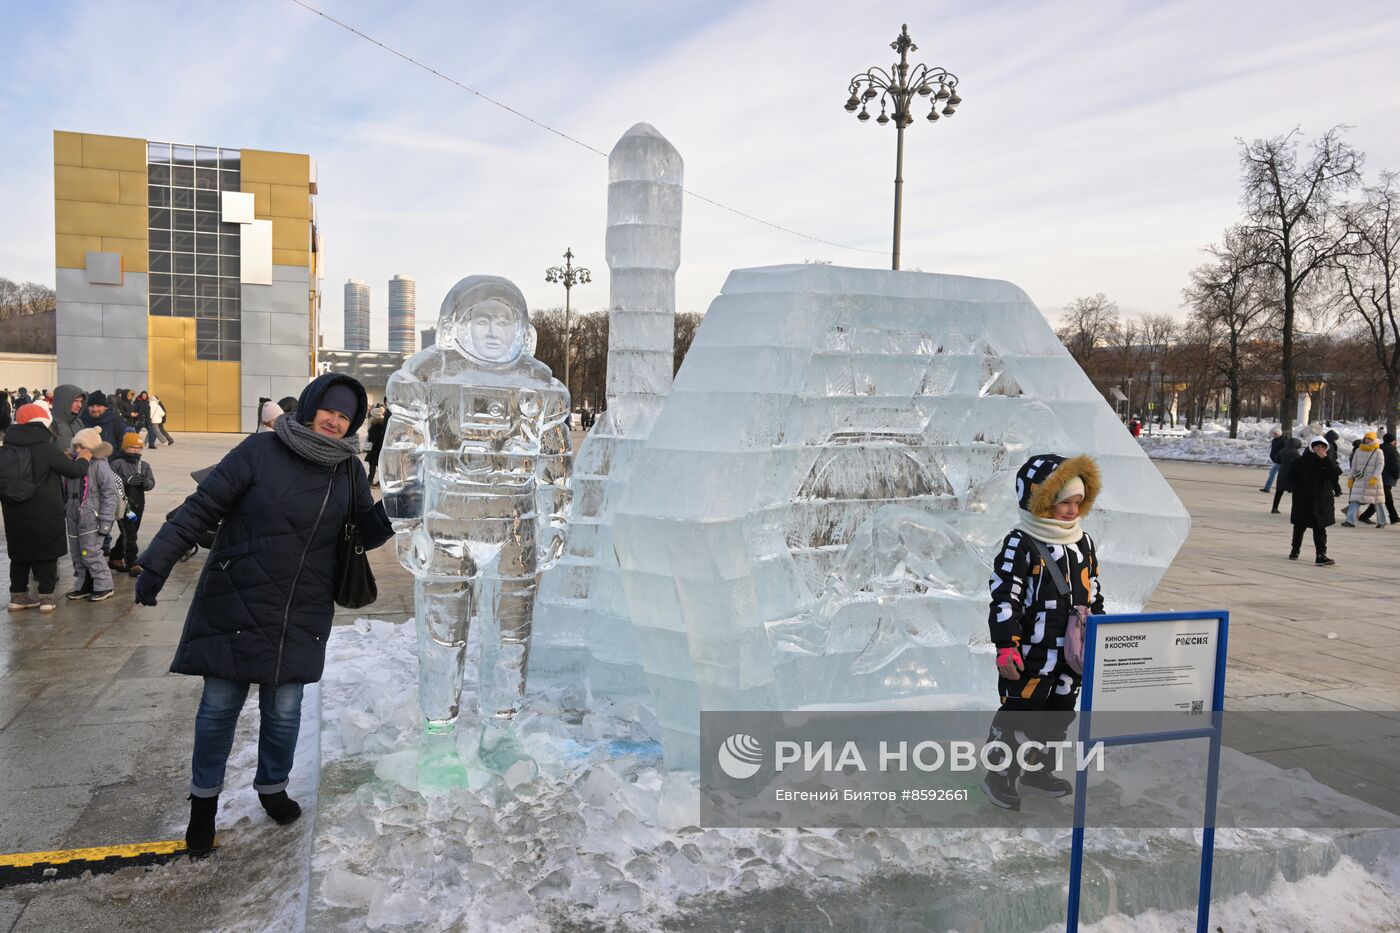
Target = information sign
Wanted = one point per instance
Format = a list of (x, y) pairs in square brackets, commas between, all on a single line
[(1172, 663), (1164, 667)]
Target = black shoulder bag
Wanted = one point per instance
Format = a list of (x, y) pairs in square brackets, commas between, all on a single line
[(354, 581)]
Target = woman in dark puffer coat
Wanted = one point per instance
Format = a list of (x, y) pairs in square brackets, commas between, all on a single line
[(1314, 476), (34, 530), (262, 610)]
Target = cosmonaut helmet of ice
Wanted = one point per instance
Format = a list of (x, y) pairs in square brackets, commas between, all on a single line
[(485, 319)]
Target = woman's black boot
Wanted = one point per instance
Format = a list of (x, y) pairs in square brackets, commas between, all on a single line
[(199, 837), (280, 807)]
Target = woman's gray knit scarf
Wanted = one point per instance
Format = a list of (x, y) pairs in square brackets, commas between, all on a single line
[(319, 449)]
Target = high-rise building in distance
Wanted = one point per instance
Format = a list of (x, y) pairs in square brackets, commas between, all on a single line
[(403, 305), (356, 315)]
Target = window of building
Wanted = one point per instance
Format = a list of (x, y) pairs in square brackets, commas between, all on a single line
[(193, 253)]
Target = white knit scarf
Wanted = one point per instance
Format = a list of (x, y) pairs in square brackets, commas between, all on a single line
[(1050, 530)]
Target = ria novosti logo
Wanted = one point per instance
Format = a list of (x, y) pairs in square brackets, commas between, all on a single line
[(740, 756)]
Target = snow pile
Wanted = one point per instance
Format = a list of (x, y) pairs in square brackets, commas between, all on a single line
[(1348, 899), (1212, 441), (605, 834)]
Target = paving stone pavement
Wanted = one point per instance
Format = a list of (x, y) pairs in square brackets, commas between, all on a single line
[(95, 734)]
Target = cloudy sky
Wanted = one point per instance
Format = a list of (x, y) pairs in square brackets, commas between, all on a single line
[(1095, 149)]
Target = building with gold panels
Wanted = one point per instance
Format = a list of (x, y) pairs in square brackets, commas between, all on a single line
[(189, 271)]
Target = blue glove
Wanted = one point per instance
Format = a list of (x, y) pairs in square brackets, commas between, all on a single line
[(147, 587)]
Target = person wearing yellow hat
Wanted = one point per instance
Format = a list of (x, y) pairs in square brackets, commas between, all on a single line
[(136, 478), (1364, 480), (1389, 477)]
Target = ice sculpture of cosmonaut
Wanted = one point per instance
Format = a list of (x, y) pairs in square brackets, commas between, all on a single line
[(475, 475)]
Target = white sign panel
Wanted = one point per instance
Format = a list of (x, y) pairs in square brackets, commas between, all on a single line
[(1164, 666)]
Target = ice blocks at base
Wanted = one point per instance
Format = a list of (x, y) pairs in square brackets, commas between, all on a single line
[(813, 400)]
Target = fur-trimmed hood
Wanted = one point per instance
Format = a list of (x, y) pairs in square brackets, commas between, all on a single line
[(1041, 478)]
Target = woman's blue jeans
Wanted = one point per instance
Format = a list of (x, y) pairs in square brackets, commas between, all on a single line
[(1354, 507), (214, 726)]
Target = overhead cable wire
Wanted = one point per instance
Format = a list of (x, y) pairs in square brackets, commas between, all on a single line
[(560, 133)]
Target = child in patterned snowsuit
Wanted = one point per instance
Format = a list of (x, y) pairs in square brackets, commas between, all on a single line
[(1029, 616)]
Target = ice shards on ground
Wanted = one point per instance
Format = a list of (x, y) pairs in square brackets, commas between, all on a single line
[(606, 834)]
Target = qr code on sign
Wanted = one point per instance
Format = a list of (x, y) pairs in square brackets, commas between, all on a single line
[(1198, 706)]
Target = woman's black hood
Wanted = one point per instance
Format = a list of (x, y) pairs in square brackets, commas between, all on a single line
[(310, 399)]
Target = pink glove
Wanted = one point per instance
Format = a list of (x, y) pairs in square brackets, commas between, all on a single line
[(1009, 663)]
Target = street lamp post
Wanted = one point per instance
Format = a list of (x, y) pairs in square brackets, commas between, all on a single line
[(567, 275), (1151, 403), (897, 89)]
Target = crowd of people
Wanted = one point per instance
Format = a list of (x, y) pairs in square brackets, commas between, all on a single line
[(124, 411), (1314, 475), (71, 473)]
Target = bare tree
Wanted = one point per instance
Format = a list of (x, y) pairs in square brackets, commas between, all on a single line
[(20, 299), (1369, 279), (1158, 335), (1289, 208), (549, 338), (27, 308), (687, 323), (1089, 323), (590, 364), (1126, 350), (10, 301), (1193, 359), (1227, 300), (35, 298)]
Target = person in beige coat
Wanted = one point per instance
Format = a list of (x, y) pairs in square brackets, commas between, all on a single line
[(1367, 465)]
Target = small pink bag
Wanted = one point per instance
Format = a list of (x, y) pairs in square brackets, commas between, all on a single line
[(1074, 638), (1074, 630)]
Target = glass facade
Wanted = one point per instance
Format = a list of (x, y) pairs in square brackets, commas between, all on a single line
[(193, 253)]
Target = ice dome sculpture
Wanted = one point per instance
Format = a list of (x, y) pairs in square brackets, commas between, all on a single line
[(811, 519)]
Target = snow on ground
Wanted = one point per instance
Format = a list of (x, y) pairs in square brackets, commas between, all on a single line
[(1212, 442), (604, 834), (1348, 899)]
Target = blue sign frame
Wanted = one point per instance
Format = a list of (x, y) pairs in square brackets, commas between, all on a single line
[(1211, 732)]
